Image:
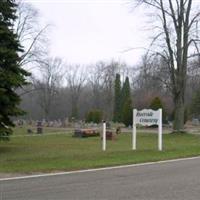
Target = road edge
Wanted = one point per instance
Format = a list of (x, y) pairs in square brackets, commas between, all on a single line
[(98, 169)]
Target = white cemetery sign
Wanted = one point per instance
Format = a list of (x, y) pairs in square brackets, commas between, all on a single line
[(147, 117)]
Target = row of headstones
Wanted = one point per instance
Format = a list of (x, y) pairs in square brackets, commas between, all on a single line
[(56, 123), (65, 123)]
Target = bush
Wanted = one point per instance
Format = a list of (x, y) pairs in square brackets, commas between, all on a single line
[(156, 103), (94, 116)]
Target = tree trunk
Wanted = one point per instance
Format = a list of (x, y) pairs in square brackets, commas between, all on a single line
[(178, 125)]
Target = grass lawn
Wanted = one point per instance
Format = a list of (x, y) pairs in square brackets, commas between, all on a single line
[(21, 131), (63, 152)]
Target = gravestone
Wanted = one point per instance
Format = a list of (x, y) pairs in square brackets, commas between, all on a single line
[(110, 135), (39, 127), (195, 121)]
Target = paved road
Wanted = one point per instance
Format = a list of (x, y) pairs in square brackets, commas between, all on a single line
[(174, 180)]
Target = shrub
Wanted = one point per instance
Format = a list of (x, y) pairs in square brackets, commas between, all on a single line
[(155, 104), (94, 116)]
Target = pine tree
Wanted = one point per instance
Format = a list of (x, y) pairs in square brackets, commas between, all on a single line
[(127, 112), (117, 95), (12, 75), (126, 103)]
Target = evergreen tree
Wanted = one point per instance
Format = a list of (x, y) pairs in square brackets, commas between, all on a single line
[(127, 112), (12, 75), (117, 96), (126, 103), (156, 104)]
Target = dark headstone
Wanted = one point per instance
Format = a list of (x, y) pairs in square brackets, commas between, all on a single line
[(39, 127), (29, 131), (110, 135)]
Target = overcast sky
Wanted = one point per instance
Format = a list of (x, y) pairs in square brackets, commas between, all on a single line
[(86, 31)]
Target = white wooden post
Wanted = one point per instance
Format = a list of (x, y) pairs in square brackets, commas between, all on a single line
[(104, 137), (160, 131), (134, 130)]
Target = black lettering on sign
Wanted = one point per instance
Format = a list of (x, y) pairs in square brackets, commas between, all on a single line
[(145, 120), (143, 114)]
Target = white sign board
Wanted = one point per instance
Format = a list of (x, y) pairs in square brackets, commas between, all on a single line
[(147, 117)]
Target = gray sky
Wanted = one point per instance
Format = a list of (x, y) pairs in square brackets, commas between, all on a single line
[(86, 31)]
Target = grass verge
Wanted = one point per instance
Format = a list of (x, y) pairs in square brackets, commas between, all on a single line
[(64, 153)]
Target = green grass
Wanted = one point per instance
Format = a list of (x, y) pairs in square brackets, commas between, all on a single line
[(64, 153), (23, 130)]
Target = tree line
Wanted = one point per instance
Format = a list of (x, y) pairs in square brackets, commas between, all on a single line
[(111, 88)]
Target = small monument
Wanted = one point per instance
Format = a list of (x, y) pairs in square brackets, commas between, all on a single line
[(39, 127)]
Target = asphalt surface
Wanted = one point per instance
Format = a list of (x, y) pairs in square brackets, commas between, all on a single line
[(173, 180)]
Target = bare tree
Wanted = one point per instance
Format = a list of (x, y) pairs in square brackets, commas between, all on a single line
[(177, 27), (109, 74), (75, 77), (48, 86), (30, 34), (146, 85), (95, 80)]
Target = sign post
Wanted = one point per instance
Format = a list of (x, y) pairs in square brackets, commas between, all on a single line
[(134, 130), (104, 137), (160, 131), (147, 117)]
